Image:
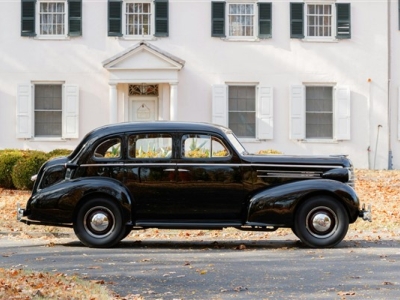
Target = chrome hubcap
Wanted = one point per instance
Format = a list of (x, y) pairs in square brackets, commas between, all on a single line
[(99, 222), (321, 222)]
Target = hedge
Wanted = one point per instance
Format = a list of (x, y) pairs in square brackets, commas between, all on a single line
[(18, 166)]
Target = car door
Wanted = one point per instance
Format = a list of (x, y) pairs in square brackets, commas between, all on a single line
[(209, 180), (151, 175)]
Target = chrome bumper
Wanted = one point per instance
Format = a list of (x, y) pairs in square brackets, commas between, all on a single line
[(20, 212), (366, 214)]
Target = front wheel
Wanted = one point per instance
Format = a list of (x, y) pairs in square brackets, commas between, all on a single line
[(99, 223), (321, 222)]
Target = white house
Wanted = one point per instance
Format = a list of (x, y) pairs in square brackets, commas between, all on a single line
[(302, 77)]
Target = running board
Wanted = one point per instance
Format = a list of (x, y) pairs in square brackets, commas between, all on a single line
[(186, 225)]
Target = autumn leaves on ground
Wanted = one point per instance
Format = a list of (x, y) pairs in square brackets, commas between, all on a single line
[(379, 188)]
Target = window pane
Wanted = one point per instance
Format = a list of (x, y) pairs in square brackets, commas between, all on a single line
[(319, 20), (241, 19), (150, 146), (138, 19), (319, 112), (242, 110), (110, 149), (48, 110), (196, 146), (52, 18)]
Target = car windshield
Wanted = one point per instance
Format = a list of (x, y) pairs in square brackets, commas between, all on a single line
[(235, 142)]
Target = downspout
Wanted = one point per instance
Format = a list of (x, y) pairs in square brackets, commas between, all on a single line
[(390, 158)]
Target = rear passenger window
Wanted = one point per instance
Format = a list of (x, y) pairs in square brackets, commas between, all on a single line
[(110, 149), (203, 146), (150, 146)]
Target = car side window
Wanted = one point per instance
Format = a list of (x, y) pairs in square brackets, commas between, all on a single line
[(155, 145), (203, 146), (110, 149)]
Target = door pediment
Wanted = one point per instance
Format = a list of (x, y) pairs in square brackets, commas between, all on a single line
[(143, 56)]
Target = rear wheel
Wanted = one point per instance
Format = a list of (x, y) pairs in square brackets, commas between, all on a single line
[(99, 223), (321, 222)]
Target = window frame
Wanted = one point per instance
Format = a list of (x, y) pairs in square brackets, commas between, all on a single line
[(38, 24), (255, 35), (332, 36), (254, 18), (124, 20)]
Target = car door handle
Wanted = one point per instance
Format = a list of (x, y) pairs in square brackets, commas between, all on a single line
[(183, 170), (169, 170)]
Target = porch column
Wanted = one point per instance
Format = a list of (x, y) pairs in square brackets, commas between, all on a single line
[(113, 103), (173, 100)]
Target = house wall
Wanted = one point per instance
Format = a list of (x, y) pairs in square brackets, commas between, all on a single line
[(360, 63)]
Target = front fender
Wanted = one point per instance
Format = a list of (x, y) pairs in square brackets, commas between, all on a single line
[(277, 205), (58, 202)]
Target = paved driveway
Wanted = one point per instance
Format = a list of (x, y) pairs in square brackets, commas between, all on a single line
[(279, 268)]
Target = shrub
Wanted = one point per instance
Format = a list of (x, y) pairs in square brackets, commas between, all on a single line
[(269, 152), (58, 153), (8, 158), (26, 167)]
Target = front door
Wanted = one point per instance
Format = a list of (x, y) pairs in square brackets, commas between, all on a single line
[(143, 109)]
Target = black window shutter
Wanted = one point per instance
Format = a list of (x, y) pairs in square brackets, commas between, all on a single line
[(218, 19), (114, 18), (75, 17), (265, 20), (343, 21), (296, 20), (161, 18), (28, 17)]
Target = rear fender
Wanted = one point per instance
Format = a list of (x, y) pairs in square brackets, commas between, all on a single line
[(59, 202), (277, 205)]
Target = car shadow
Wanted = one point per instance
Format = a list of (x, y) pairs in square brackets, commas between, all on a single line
[(236, 245)]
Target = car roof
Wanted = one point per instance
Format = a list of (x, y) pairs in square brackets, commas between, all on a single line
[(158, 126)]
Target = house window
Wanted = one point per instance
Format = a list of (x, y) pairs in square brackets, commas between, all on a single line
[(51, 19), (242, 110), (138, 19), (241, 20), (48, 110), (246, 109), (320, 21), (319, 112)]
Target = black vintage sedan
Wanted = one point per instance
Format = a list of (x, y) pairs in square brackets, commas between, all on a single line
[(190, 176)]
